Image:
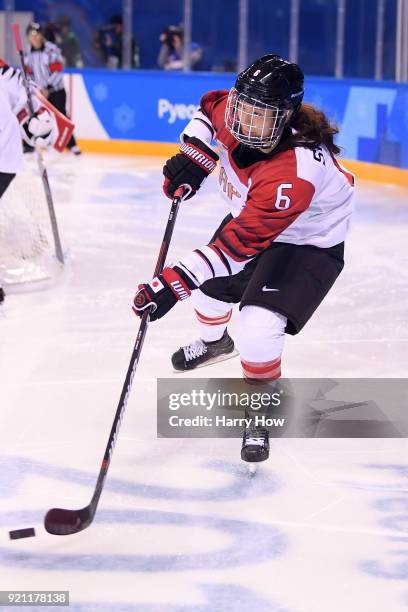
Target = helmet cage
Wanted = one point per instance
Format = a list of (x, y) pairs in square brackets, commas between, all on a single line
[(254, 123)]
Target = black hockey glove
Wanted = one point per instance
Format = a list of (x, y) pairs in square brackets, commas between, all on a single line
[(189, 167), (162, 293)]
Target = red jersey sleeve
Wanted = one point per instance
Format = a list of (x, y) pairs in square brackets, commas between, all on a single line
[(211, 100), (275, 200)]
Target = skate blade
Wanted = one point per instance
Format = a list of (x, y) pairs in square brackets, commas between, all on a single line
[(252, 469), (210, 362)]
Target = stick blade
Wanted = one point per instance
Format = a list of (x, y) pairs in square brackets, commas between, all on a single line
[(58, 521)]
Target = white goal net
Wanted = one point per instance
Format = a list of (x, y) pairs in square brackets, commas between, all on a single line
[(26, 243)]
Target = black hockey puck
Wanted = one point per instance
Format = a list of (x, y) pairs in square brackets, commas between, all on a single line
[(16, 534)]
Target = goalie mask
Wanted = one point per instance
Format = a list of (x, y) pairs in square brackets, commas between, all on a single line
[(265, 97)]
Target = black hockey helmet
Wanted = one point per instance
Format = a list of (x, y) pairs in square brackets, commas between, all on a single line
[(263, 100), (33, 26), (272, 80)]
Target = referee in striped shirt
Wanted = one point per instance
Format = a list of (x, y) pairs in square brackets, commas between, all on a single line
[(45, 65)]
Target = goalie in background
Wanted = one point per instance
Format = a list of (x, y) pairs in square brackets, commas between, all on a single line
[(45, 65), (44, 127)]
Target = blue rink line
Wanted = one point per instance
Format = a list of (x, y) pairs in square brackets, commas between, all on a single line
[(247, 534), (244, 550), (14, 469), (219, 598), (393, 563)]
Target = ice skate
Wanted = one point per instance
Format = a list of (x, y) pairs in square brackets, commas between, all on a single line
[(255, 445), (201, 353)]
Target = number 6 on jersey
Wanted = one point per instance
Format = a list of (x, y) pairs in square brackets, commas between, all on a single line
[(282, 200)]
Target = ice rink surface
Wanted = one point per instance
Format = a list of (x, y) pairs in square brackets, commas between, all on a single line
[(323, 525)]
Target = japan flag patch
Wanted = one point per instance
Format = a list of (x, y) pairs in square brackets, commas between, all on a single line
[(156, 285)]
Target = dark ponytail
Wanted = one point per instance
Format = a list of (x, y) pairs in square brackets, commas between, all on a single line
[(312, 130)]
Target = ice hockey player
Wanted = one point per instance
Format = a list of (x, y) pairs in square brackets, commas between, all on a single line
[(16, 123), (45, 65), (281, 249)]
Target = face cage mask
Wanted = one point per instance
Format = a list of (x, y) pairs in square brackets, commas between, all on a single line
[(254, 123)]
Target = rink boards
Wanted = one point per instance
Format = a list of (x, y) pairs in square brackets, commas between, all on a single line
[(140, 112)]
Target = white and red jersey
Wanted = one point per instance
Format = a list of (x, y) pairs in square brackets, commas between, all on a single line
[(299, 196), (13, 98), (14, 112), (45, 66)]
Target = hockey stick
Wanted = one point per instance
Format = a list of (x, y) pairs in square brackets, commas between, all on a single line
[(66, 522), (41, 167)]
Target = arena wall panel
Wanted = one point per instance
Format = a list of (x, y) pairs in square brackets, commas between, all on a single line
[(143, 111)]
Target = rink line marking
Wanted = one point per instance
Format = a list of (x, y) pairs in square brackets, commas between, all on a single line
[(75, 498), (327, 506), (334, 528), (300, 468), (335, 484)]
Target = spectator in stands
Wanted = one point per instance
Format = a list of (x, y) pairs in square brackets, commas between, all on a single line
[(172, 50), (45, 65), (50, 31), (68, 42), (110, 44)]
